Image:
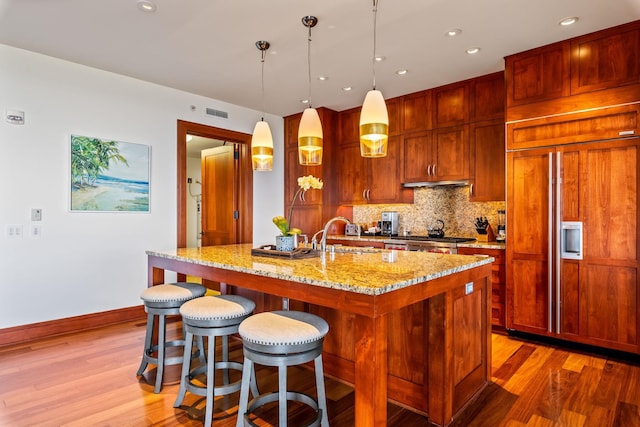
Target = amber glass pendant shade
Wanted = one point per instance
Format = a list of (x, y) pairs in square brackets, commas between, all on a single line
[(310, 138), (374, 125), (262, 147)]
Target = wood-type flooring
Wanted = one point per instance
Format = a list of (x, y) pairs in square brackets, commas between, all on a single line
[(89, 379)]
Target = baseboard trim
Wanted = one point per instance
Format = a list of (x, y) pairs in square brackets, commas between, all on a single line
[(34, 331)]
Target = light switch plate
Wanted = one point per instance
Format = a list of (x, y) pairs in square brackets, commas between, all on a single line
[(36, 214)]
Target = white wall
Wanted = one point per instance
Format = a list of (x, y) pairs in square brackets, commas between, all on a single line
[(91, 262)]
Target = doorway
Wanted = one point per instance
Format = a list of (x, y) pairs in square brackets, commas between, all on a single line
[(242, 179)]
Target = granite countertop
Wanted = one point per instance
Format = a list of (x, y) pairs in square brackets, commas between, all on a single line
[(472, 244), (371, 273)]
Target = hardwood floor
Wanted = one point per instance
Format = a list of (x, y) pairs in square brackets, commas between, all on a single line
[(88, 379)]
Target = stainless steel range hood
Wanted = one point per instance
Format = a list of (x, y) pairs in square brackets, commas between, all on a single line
[(456, 183)]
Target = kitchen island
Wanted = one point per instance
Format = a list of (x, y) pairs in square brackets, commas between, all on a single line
[(412, 327)]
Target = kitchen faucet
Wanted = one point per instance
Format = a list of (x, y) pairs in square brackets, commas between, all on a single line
[(323, 242)]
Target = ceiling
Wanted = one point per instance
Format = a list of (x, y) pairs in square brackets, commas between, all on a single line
[(207, 47)]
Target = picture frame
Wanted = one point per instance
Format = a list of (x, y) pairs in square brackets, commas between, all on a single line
[(108, 175)]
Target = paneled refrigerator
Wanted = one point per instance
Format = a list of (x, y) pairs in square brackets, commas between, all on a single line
[(572, 247)]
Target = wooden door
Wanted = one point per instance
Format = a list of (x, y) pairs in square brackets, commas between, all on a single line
[(600, 293), (451, 153), (487, 161), (219, 196), (528, 229), (418, 159)]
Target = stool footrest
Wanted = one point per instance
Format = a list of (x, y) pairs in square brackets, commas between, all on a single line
[(221, 390), (292, 396)]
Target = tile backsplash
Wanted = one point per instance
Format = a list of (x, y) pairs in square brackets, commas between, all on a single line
[(450, 204)]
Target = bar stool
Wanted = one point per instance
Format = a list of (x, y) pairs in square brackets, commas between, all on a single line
[(212, 316), (282, 339), (161, 301)]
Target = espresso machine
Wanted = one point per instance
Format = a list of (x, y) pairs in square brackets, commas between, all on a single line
[(389, 223)]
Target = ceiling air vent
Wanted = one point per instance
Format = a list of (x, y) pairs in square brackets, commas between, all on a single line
[(217, 113)]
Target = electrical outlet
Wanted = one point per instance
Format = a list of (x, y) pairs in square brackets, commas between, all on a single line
[(468, 288), (36, 231)]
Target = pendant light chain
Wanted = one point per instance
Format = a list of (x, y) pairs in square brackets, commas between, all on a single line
[(375, 19)]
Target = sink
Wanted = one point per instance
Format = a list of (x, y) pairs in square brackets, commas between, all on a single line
[(355, 250)]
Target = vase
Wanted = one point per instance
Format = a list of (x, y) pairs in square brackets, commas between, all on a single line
[(285, 243)]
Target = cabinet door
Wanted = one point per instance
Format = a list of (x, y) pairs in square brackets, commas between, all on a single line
[(384, 176), (451, 105), (605, 60), (487, 161), (291, 125), (498, 280), (487, 97), (528, 228), (351, 181), (307, 218), (349, 126), (292, 172), (418, 159), (416, 112), (451, 153), (394, 107), (538, 75), (601, 292)]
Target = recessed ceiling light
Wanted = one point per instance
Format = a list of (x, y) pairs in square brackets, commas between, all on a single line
[(454, 32), (380, 58), (346, 88), (146, 6), (402, 72), (568, 21), (304, 101), (323, 78), (473, 50)]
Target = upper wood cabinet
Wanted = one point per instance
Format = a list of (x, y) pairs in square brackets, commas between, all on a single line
[(606, 59), (487, 97), (487, 161), (438, 155), (416, 112), (538, 74), (394, 109), (451, 105), (592, 125), (349, 126), (377, 180)]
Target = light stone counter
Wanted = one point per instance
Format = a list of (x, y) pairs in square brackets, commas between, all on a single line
[(371, 273), (374, 239)]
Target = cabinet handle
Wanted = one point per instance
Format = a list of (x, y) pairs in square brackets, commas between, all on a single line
[(471, 189), (550, 246), (368, 194), (558, 249), (364, 194), (302, 196), (429, 170), (434, 170)]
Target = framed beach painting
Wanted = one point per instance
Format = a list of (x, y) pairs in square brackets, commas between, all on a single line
[(109, 176)]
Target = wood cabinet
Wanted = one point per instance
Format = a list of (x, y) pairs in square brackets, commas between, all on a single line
[(438, 155), (498, 282), (606, 59), (538, 74), (376, 180), (451, 105), (593, 300), (591, 71), (308, 214), (487, 161), (416, 112), (592, 125), (486, 98)]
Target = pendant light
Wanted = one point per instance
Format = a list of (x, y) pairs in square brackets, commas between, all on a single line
[(261, 140), (374, 119), (310, 130)]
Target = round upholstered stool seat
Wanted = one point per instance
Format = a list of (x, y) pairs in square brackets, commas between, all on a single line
[(282, 339), (161, 301), (211, 317)]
